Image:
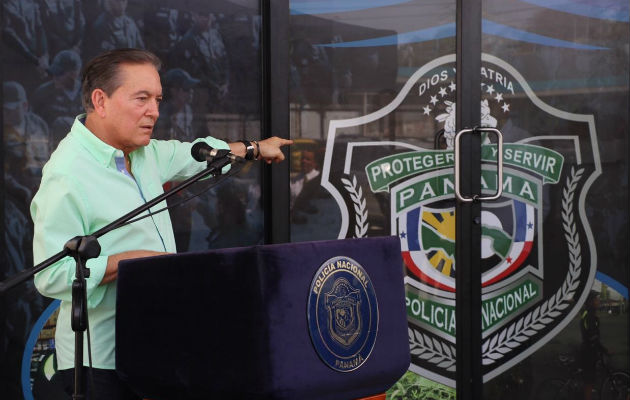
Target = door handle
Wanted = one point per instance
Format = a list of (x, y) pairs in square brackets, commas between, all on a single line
[(499, 191)]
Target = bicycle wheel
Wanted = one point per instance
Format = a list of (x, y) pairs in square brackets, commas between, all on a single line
[(553, 389), (615, 386)]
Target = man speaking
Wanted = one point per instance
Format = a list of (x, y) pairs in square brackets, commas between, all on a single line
[(106, 166)]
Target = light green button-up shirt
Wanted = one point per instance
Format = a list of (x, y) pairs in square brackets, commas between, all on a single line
[(81, 191)]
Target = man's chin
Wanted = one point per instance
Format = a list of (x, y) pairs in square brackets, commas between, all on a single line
[(146, 136), (144, 141)]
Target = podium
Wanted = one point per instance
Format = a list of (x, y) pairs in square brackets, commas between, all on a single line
[(314, 320)]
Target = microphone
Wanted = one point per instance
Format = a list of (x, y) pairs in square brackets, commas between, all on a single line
[(201, 151)]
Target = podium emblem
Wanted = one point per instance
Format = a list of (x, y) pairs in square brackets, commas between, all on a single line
[(342, 314)]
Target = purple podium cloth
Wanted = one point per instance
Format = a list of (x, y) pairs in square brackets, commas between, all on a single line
[(233, 323)]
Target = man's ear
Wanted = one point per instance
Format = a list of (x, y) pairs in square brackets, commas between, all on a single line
[(98, 100)]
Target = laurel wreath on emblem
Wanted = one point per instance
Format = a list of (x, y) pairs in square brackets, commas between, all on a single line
[(518, 332), (432, 349), (508, 339), (360, 216)]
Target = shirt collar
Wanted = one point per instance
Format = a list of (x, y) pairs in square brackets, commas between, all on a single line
[(103, 152), (313, 174)]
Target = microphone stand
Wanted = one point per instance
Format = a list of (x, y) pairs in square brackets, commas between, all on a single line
[(83, 248)]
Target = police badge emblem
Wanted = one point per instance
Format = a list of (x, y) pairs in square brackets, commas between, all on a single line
[(531, 288), (342, 314)]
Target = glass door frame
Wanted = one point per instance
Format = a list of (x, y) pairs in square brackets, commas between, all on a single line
[(469, 382), (275, 116), (275, 122)]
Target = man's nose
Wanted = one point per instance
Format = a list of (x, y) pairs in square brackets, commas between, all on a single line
[(153, 109)]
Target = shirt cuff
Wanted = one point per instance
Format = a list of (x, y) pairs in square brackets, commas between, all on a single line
[(96, 292)]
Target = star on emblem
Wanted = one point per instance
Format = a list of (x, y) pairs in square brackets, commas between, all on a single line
[(427, 110), (433, 100), (499, 97), (452, 86), (490, 89), (443, 91), (505, 107)]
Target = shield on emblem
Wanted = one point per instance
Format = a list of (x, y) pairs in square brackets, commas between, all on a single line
[(427, 236), (343, 303), (531, 288)]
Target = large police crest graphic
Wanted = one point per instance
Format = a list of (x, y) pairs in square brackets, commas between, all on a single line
[(538, 255)]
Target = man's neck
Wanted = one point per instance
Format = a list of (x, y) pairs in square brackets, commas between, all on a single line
[(94, 125)]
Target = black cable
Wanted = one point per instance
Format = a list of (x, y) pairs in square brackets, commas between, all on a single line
[(89, 340), (87, 328), (220, 179)]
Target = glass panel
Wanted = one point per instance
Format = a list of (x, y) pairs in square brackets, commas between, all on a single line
[(211, 84), (372, 92), (555, 82), (210, 79)]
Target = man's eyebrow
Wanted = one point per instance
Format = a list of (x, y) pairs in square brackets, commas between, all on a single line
[(145, 92)]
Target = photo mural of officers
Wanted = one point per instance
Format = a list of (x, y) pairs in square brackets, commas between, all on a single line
[(210, 78)]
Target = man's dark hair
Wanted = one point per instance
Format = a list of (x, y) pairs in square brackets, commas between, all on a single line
[(318, 154), (102, 71), (589, 304)]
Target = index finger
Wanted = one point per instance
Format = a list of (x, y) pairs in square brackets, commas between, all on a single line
[(284, 142)]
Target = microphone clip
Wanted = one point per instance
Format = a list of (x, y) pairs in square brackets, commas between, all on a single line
[(201, 151)]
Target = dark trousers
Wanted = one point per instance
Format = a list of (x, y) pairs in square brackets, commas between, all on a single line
[(107, 384)]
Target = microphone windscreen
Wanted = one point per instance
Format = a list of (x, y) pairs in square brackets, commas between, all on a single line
[(200, 151)]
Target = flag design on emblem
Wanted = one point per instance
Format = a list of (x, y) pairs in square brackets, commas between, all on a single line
[(438, 240), (428, 245), (510, 251), (428, 242)]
